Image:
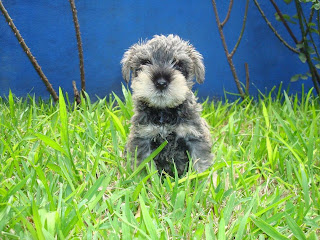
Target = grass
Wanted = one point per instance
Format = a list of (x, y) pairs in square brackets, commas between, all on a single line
[(63, 174)]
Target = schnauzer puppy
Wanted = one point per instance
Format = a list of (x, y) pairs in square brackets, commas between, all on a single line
[(162, 71)]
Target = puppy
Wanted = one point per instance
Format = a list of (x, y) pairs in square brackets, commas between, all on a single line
[(163, 70)]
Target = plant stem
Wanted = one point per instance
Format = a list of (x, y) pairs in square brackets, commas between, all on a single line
[(228, 14), (284, 21), (247, 77), (273, 29), (225, 47), (79, 42), (307, 32), (242, 29), (29, 54), (76, 93), (315, 76), (309, 21)]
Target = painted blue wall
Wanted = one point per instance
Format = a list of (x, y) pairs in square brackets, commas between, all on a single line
[(109, 27)]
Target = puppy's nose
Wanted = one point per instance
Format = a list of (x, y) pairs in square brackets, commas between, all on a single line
[(161, 83)]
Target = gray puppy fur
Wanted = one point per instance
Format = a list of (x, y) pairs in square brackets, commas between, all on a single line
[(162, 71)]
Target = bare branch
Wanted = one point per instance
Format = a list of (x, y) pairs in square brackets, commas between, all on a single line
[(309, 21), (79, 42), (315, 75), (284, 21), (273, 29), (225, 47), (28, 52), (318, 22), (247, 77), (308, 31), (76, 93), (242, 29), (228, 14)]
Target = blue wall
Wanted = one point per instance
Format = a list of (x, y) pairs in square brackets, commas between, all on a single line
[(109, 27)]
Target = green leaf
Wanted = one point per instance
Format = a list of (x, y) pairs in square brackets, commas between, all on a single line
[(316, 6), (11, 104), (209, 232), (51, 143), (304, 77), (43, 179), (117, 123), (148, 159), (15, 188), (286, 18), (265, 114), (302, 57), (140, 185), (268, 229), (63, 119), (148, 220), (199, 232), (229, 207), (305, 186), (243, 221), (222, 231), (272, 205), (295, 78), (37, 221), (295, 228)]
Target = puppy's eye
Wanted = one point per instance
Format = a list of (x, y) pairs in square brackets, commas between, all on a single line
[(145, 62), (177, 64)]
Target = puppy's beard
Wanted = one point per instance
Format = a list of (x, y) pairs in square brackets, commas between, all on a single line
[(175, 94)]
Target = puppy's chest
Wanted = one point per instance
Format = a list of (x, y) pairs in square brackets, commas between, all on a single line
[(163, 124), (160, 124), (165, 117)]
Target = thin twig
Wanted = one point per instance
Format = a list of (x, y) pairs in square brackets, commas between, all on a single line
[(318, 23), (225, 47), (284, 21), (314, 73), (28, 52), (310, 33), (313, 44), (76, 93), (309, 21), (79, 42), (242, 29), (247, 77), (273, 29), (228, 14)]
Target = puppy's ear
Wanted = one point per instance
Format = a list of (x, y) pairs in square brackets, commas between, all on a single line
[(198, 65), (126, 63)]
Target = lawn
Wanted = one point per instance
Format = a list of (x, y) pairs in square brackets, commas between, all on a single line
[(63, 174)]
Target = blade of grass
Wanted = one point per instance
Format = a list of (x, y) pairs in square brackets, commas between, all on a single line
[(268, 229), (37, 221), (148, 220), (295, 228), (148, 159), (48, 141)]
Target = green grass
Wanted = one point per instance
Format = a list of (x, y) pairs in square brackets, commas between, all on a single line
[(63, 174)]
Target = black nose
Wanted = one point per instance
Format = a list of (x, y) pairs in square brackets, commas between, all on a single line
[(161, 83)]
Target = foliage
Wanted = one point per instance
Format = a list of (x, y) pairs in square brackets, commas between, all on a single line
[(304, 29), (63, 174)]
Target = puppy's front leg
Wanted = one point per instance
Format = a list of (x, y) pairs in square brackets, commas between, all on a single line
[(200, 152), (141, 145)]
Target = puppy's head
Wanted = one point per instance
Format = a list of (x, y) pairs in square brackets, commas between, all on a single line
[(162, 70)]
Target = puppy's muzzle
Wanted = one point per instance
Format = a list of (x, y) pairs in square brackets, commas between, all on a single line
[(161, 84)]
